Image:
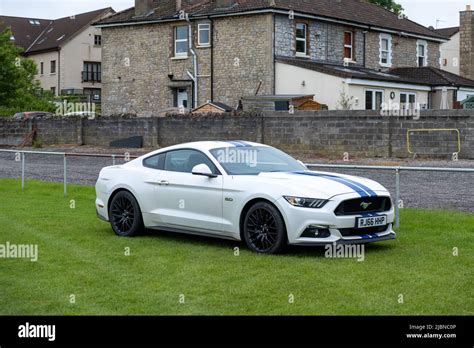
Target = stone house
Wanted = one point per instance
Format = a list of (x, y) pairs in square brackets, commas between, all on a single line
[(457, 54), (166, 54), (67, 51)]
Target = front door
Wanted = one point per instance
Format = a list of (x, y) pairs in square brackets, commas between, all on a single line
[(182, 98)]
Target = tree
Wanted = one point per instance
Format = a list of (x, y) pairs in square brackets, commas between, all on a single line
[(389, 5), (19, 90)]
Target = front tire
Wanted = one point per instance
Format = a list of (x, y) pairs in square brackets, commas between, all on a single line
[(125, 215), (264, 229)]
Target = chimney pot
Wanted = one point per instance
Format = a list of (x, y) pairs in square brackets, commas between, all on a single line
[(468, 8)]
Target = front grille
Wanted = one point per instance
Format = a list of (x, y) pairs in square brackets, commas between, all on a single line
[(346, 232), (356, 206)]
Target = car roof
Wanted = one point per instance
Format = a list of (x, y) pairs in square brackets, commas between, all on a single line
[(212, 145)]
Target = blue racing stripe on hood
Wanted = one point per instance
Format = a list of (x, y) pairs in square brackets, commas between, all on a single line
[(361, 189)]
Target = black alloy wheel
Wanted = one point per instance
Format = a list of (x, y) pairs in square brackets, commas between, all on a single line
[(125, 215), (264, 229)]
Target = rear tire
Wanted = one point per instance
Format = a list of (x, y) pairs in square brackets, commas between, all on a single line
[(125, 215), (264, 229)]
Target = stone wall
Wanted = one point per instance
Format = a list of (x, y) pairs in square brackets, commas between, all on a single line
[(404, 51), (326, 40), (324, 133), (140, 70)]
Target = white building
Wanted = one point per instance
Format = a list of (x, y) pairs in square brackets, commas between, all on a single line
[(67, 51)]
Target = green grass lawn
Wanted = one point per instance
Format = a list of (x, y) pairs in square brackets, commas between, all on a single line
[(80, 255)]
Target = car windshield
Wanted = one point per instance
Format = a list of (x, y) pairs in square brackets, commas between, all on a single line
[(255, 160)]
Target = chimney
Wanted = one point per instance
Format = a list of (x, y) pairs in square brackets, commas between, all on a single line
[(223, 3), (179, 5), (466, 44), (143, 7)]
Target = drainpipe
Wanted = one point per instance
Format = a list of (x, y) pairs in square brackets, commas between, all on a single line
[(195, 67), (364, 48), (58, 67), (212, 58)]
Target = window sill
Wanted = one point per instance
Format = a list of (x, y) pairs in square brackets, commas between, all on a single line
[(385, 65), (301, 55), (203, 46), (52, 74), (179, 57)]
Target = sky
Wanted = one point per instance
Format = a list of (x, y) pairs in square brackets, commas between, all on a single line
[(436, 13)]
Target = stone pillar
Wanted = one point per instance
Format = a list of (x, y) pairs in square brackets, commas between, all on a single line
[(466, 48)]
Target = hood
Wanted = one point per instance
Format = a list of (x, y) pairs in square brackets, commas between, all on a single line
[(325, 185)]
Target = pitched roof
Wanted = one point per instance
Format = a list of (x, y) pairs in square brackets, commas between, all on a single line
[(448, 32), (434, 76), (25, 30), (353, 11), (48, 34), (354, 72)]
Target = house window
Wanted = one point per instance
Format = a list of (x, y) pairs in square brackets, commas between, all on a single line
[(42, 68), (94, 94), (92, 72), (181, 41), (204, 34), (373, 99), (98, 40), (301, 39), (349, 45), (53, 90), (407, 101), (385, 50), (422, 48), (53, 67)]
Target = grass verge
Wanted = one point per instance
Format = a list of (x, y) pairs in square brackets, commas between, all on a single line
[(79, 255)]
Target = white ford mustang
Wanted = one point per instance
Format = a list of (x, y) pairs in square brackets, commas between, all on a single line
[(242, 191)]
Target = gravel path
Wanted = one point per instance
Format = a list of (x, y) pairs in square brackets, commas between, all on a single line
[(418, 189)]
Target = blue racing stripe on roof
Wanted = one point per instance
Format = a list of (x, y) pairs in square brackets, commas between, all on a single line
[(245, 143), (235, 143)]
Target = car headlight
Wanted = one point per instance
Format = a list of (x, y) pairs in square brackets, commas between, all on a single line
[(306, 202)]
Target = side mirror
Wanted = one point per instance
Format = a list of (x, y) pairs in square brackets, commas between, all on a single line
[(203, 170)]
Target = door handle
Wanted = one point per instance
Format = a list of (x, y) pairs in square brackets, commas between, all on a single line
[(163, 183)]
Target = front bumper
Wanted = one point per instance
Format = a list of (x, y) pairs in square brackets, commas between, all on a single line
[(298, 220)]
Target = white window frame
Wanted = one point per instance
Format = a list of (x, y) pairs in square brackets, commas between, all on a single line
[(305, 40), (387, 37), (374, 98), (410, 106), (351, 46), (418, 56), (200, 28), (176, 40)]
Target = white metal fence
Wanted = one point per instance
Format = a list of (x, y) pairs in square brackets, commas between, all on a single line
[(396, 170)]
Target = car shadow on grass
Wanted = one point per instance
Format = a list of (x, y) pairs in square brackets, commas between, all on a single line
[(291, 250)]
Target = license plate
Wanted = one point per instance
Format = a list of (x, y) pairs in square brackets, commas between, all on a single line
[(372, 221)]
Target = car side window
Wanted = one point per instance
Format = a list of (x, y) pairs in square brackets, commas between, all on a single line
[(155, 162), (183, 161)]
